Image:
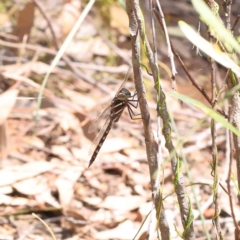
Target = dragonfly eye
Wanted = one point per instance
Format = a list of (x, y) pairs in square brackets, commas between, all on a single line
[(123, 94)]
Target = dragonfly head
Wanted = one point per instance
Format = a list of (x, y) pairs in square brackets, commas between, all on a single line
[(123, 94)]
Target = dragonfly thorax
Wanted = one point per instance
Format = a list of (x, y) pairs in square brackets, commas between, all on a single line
[(123, 94)]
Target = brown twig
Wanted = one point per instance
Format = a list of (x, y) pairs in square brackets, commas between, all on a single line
[(234, 109), (194, 83), (214, 147), (43, 12), (235, 23), (65, 57), (9, 36), (28, 46), (237, 230), (157, 190), (227, 5), (136, 24), (170, 53), (151, 146)]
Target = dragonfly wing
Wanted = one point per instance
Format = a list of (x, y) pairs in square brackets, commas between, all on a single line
[(96, 122), (98, 137), (125, 79)]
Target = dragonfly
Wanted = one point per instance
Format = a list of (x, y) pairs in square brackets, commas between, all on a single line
[(123, 99)]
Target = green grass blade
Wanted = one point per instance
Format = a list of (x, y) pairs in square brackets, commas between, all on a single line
[(206, 47), (210, 112), (61, 52), (211, 20)]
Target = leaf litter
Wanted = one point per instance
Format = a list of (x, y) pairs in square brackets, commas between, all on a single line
[(45, 165)]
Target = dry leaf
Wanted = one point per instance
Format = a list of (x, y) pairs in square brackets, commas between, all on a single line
[(106, 217), (68, 121), (122, 203), (3, 141), (115, 145), (65, 185), (79, 99), (13, 201), (38, 67), (125, 230), (31, 186), (119, 19), (11, 175), (83, 48), (69, 15), (80, 153), (95, 183), (100, 48), (6, 190), (25, 21), (46, 197), (7, 101), (92, 200), (4, 18), (62, 152), (34, 141), (26, 68)]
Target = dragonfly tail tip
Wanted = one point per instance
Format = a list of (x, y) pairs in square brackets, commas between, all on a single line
[(89, 165)]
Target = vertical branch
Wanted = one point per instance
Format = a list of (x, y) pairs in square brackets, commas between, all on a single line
[(194, 83), (155, 59), (227, 6), (237, 230), (136, 25), (234, 107), (214, 147), (235, 119), (151, 147), (170, 52), (160, 212)]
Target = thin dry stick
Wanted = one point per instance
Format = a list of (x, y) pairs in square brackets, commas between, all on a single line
[(65, 57), (52, 52), (183, 201), (185, 209), (186, 214), (237, 230), (214, 147), (194, 83), (234, 109), (157, 191), (151, 146), (227, 7), (170, 53), (236, 21), (159, 154), (40, 49), (9, 36), (235, 120), (40, 7), (28, 46)]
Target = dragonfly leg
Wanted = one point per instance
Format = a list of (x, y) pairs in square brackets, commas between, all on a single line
[(133, 114), (135, 101), (133, 96)]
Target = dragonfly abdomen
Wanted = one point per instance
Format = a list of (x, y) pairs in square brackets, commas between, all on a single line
[(122, 100), (95, 153)]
